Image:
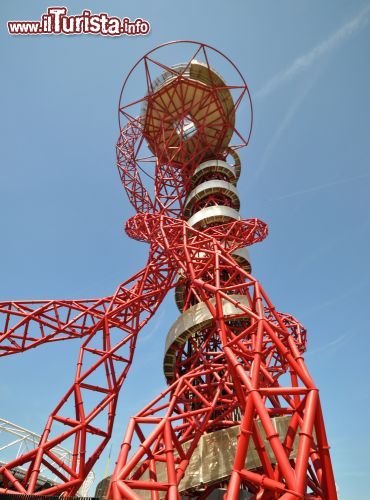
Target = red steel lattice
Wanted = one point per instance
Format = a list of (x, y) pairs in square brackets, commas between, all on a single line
[(240, 370)]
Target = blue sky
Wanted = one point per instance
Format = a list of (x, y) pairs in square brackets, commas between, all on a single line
[(306, 173)]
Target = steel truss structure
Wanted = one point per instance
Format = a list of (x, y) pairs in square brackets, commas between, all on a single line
[(17, 440), (241, 412)]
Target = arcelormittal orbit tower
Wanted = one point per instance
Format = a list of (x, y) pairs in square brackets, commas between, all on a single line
[(241, 415)]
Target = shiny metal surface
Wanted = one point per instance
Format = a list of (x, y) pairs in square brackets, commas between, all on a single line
[(196, 70), (213, 458), (214, 166), (236, 159), (241, 255), (213, 215), (208, 188), (164, 110), (192, 321)]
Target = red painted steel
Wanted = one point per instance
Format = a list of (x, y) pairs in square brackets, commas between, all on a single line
[(242, 369)]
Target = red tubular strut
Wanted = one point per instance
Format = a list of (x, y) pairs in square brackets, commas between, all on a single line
[(234, 364)]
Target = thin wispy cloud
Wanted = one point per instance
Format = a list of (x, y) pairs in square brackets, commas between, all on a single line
[(319, 187), (153, 327), (333, 345), (298, 66), (332, 243), (340, 341), (348, 291), (284, 124), (302, 63)]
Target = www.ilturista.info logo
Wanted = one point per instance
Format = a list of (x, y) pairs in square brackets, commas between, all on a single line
[(57, 22)]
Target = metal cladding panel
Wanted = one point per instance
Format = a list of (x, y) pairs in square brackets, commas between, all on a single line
[(208, 188), (241, 255), (194, 318), (212, 460), (214, 455), (211, 215), (215, 166), (218, 494), (165, 101), (192, 321)]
